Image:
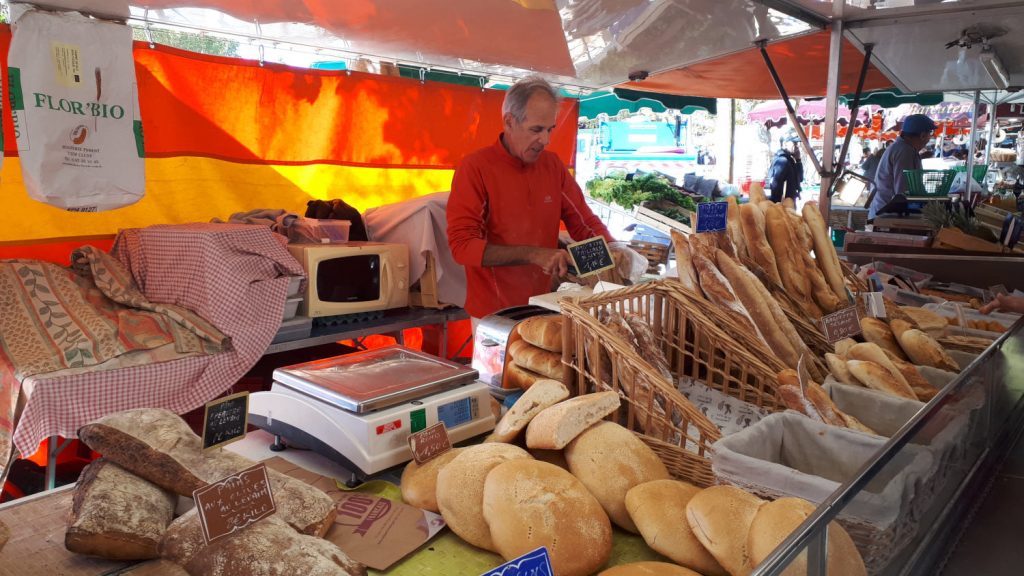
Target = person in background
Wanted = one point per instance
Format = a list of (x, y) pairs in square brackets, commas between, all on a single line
[(903, 154), (870, 163), (506, 204), (786, 172), (1006, 303)]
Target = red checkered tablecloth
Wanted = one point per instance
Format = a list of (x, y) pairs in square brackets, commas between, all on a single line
[(233, 275)]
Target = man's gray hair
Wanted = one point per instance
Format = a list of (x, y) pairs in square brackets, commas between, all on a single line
[(519, 94)]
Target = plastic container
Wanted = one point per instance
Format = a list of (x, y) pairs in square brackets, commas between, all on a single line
[(314, 231), (295, 328), (928, 183), (294, 283), (291, 306)]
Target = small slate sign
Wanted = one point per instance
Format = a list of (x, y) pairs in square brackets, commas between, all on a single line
[(591, 256), (429, 443), (225, 420), (841, 324), (711, 216), (231, 504), (534, 563)]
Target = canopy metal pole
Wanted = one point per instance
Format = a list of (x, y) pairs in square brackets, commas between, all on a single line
[(790, 112), (992, 121), (828, 146), (856, 106), (968, 189)]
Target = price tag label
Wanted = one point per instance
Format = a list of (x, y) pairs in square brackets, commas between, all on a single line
[(590, 256), (712, 216), (429, 443), (842, 324), (231, 504), (874, 303), (225, 420), (534, 563)]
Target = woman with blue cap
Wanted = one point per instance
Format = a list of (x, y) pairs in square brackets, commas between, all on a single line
[(904, 154)]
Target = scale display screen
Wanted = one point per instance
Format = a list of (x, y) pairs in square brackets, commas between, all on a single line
[(457, 413)]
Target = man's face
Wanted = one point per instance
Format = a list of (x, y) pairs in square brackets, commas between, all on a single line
[(791, 147), (921, 141), (526, 140)]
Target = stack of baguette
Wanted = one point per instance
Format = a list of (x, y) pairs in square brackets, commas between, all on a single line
[(868, 364), (124, 505), (536, 353), (816, 403)]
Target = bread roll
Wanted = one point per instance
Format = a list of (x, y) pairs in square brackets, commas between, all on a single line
[(734, 228), (765, 311), (720, 517), (517, 377), (878, 378), (609, 460), (878, 332), (419, 481), (267, 548), (788, 258), (657, 508), (924, 350), (842, 347), (460, 489), (752, 222), (684, 263), (648, 569), (117, 515), (824, 251), (718, 290), (543, 331), (776, 520), (840, 372), (872, 352), (556, 426), (927, 320), (526, 355), (542, 394), (529, 504)]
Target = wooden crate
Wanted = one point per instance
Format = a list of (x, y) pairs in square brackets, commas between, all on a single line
[(654, 252), (424, 293)]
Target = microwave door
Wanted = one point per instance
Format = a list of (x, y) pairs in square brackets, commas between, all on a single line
[(350, 279)]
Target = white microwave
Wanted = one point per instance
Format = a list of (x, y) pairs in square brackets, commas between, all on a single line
[(353, 277)]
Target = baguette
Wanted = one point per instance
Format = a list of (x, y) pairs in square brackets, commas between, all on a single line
[(878, 378), (878, 332), (543, 331), (752, 222), (825, 251), (823, 295), (720, 292), (840, 372), (924, 350), (874, 353), (734, 228), (918, 383), (788, 259), (757, 193), (842, 347), (542, 394), (684, 263), (816, 397), (526, 355), (556, 426), (647, 345), (516, 377)]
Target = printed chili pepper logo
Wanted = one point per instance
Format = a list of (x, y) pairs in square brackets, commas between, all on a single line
[(79, 134)]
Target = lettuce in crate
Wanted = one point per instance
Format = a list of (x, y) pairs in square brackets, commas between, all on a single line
[(648, 190)]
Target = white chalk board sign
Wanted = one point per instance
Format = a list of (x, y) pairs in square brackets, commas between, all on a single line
[(225, 420), (590, 256)]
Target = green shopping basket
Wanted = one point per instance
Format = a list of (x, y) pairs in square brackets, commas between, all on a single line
[(979, 171), (928, 183)]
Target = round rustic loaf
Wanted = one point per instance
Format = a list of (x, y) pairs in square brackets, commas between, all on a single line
[(720, 518), (419, 481), (529, 504), (659, 508), (460, 489), (776, 520), (648, 569), (609, 460)]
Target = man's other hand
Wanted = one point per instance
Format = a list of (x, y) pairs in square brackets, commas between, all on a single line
[(552, 261)]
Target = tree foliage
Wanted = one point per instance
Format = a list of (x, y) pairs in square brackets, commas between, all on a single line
[(190, 41)]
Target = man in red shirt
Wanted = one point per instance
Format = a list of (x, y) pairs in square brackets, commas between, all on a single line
[(506, 204)]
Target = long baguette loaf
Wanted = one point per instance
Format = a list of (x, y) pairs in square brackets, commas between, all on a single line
[(684, 264), (752, 221), (718, 290), (873, 353), (757, 193), (788, 259), (534, 359), (878, 332), (878, 378), (926, 351), (918, 383), (825, 251), (837, 366), (647, 345), (734, 228), (823, 295)]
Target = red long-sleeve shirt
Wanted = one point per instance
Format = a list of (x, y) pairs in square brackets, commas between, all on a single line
[(497, 198)]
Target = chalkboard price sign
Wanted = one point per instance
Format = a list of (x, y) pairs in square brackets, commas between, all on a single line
[(842, 324), (591, 256), (711, 216), (231, 504), (225, 420)]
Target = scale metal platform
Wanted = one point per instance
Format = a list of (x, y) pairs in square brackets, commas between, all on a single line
[(359, 409)]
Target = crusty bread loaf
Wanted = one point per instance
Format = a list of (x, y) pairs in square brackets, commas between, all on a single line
[(788, 258), (734, 228), (158, 446), (771, 321), (460, 489), (842, 347), (718, 290), (824, 251), (840, 372), (899, 326), (878, 332), (529, 504), (752, 221), (872, 352), (556, 426), (649, 568), (776, 520), (609, 460), (926, 319), (534, 359), (684, 263), (918, 383), (542, 394), (419, 481), (269, 547), (543, 331), (720, 517), (925, 351), (518, 377), (659, 510), (117, 515), (878, 378), (816, 400)]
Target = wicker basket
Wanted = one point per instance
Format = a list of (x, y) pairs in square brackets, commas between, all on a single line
[(655, 253), (695, 346)]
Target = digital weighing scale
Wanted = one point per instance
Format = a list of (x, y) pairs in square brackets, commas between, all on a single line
[(359, 409)]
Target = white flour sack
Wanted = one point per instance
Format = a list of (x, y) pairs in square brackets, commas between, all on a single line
[(71, 85)]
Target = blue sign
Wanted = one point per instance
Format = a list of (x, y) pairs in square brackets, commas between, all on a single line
[(1010, 234), (535, 563), (711, 216)]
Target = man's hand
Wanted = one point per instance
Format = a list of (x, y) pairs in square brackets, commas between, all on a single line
[(552, 261), (1005, 302)]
